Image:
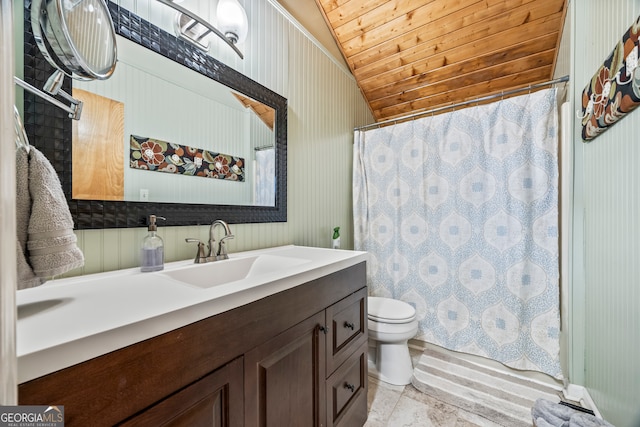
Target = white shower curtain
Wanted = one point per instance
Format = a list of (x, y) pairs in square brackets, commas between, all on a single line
[(459, 213), (265, 181)]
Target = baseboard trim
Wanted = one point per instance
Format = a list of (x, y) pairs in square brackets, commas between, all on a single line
[(578, 393)]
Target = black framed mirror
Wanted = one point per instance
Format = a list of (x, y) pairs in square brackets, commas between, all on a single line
[(50, 130)]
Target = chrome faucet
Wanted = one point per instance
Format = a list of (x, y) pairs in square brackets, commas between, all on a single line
[(214, 254), (222, 249)]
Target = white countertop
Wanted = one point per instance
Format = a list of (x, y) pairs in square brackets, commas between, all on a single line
[(68, 321)]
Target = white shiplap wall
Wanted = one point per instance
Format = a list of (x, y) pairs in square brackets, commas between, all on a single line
[(607, 271), (324, 106)]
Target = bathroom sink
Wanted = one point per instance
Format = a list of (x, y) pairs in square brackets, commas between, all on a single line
[(231, 270), (31, 309)]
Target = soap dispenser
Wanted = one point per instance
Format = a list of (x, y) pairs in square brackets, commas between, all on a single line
[(152, 251)]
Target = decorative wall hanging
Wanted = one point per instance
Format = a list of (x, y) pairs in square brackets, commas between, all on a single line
[(161, 156), (614, 90)]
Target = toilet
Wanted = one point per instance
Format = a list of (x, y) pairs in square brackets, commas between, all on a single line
[(391, 324)]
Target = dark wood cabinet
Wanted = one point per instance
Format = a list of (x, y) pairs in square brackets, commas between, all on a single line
[(346, 360), (295, 358), (347, 391), (347, 328), (214, 401), (285, 378), (313, 374)]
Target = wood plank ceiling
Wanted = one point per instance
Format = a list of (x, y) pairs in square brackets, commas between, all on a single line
[(416, 55)]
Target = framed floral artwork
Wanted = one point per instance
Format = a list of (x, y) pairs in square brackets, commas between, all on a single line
[(161, 156), (614, 90)]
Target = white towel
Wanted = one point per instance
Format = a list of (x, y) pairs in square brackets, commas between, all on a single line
[(26, 276), (51, 242)]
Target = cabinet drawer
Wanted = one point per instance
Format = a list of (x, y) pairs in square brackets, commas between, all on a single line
[(347, 391), (347, 320)]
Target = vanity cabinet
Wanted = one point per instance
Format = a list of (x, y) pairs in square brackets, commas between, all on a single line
[(313, 374), (294, 358)]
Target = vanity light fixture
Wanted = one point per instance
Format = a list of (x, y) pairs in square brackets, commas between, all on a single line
[(232, 20), (194, 29)]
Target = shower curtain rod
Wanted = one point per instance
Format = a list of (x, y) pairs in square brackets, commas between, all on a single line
[(460, 104)]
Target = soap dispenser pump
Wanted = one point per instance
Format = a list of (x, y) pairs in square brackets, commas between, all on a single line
[(152, 251)]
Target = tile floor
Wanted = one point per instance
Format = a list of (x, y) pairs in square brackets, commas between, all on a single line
[(405, 406)]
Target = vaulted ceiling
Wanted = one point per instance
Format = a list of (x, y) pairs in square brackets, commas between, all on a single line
[(416, 55)]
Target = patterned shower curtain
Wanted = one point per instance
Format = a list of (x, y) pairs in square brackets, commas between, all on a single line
[(459, 213)]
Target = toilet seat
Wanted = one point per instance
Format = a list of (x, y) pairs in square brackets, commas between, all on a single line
[(387, 310)]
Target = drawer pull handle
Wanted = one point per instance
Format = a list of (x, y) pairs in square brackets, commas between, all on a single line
[(350, 387), (349, 325)]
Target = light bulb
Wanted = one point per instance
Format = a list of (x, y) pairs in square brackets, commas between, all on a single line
[(232, 20)]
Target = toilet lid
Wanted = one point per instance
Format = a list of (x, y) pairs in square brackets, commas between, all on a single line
[(389, 310)]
